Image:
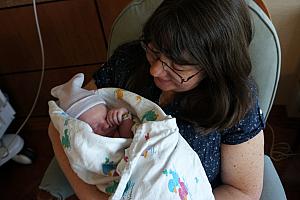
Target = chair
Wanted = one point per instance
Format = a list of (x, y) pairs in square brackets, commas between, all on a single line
[(265, 56)]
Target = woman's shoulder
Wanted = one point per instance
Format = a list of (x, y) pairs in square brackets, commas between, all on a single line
[(250, 125), (126, 56), (119, 67), (129, 49)]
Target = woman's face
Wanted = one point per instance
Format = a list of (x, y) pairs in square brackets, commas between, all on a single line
[(169, 76)]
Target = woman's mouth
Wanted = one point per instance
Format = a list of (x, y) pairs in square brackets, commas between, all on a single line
[(161, 81)]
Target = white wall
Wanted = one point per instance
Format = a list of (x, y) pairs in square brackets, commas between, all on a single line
[(285, 15)]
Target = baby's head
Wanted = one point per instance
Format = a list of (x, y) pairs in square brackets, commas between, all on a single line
[(96, 118), (83, 104)]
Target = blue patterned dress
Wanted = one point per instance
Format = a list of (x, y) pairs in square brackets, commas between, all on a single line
[(116, 72)]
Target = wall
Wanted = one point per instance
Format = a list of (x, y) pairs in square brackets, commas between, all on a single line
[(74, 36), (286, 18)]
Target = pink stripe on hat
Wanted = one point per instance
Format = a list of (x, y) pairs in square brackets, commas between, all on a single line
[(73, 98)]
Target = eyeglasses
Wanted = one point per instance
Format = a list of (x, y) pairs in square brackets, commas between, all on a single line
[(156, 55)]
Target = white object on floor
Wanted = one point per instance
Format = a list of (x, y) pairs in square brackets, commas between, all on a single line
[(6, 114), (12, 145)]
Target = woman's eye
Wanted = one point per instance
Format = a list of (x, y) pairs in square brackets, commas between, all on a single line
[(183, 67), (178, 68), (156, 55), (154, 52)]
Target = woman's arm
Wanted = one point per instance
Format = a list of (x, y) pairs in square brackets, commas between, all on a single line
[(242, 170), (82, 189)]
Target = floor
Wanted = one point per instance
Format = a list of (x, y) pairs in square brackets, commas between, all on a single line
[(287, 143), (20, 182)]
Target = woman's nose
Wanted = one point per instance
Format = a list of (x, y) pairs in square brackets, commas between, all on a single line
[(157, 69)]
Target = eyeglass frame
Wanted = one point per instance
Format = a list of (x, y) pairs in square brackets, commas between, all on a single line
[(146, 47)]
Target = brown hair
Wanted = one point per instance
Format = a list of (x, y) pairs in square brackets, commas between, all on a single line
[(216, 34)]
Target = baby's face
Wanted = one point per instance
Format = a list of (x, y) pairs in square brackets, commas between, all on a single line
[(96, 118)]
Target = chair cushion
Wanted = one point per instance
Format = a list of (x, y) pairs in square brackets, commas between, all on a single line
[(265, 56), (128, 25)]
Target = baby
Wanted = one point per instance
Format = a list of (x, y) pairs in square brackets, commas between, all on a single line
[(154, 158), (89, 107)]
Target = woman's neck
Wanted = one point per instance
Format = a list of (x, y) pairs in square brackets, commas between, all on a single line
[(166, 98)]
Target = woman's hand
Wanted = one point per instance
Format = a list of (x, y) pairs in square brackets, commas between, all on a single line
[(242, 170), (115, 116)]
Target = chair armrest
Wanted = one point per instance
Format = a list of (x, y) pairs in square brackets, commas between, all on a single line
[(272, 186)]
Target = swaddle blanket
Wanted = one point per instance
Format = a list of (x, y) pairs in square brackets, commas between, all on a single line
[(157, 163)]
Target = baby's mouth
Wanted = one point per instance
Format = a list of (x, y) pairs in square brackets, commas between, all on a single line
[(109, 132)]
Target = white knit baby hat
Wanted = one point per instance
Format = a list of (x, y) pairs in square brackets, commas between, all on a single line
[(73, 99)]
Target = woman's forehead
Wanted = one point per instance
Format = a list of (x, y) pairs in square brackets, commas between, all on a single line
[(179, 56), (188, 58)]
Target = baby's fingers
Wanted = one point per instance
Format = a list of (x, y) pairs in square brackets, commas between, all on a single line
[(109, 118), (119, 116), (113, 117)]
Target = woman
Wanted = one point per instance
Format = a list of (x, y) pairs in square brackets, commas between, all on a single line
[(193, 61)]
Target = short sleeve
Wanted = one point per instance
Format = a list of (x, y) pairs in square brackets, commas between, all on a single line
[(247, 128)]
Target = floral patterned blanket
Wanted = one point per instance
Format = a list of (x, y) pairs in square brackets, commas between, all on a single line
[(157, 163)]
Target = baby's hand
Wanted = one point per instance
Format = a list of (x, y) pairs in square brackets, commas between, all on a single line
[(116, 115)]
